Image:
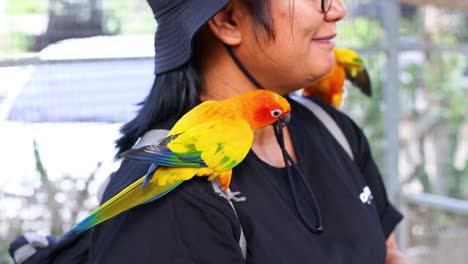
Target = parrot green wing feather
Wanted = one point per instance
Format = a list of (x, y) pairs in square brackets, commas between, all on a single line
[(222, 143)]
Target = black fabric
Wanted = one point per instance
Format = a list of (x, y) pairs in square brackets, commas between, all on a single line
[(73, 250), (192, 224)]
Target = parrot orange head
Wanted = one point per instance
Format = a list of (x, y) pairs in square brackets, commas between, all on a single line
[(262, 108)]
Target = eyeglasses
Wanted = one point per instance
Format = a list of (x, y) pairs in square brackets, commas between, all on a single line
[(326, 5)]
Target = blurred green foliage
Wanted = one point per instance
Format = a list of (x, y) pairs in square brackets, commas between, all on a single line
[(360, 32), (24, 7), (17, 42), (4, 259), (12, 40), (438, 79)]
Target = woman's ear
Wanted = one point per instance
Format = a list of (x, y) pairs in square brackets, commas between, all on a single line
[(224, 25)]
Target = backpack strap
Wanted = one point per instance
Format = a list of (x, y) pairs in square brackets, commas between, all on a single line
[(327, 121), (217, 188), (151, 137)]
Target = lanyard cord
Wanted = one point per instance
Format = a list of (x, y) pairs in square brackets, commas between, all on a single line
[(290, 164), (288, 161), (243, 69)]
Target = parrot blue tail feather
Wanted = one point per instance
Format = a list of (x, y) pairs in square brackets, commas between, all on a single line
[(149, 174)]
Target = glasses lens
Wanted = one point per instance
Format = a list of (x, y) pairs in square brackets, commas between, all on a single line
[(326, 5)]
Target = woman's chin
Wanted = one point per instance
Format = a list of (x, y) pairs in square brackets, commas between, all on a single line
[(317, 75), (322, 70)]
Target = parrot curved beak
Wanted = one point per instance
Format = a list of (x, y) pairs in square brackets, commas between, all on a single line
[(284, 121)]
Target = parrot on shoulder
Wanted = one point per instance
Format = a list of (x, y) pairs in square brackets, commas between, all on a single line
[(209, 140), (348, 66)]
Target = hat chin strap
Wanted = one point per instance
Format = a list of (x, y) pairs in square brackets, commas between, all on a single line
[(242, 68), (289, 163)]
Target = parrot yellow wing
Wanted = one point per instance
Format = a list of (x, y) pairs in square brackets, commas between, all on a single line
[(205, 112), (221, 144)]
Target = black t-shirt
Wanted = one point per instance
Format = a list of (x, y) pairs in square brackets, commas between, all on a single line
[(193, 224)]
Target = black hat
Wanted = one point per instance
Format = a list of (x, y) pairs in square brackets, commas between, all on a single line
[(178, 21)]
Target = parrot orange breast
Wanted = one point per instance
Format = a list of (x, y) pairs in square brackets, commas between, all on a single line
[(330, 87)]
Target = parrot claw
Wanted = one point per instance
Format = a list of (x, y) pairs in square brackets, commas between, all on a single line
[(235, 196), (227, 194)]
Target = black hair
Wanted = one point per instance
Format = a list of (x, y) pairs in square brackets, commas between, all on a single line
[(263, 20), (172, 95), (175, 92)]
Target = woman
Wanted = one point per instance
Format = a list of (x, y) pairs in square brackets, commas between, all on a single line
[(305, 209)]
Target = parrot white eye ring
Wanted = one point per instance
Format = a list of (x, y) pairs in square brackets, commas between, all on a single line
[(276, 113)]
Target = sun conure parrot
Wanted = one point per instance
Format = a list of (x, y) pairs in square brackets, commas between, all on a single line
[(348, 65), (209, 140)]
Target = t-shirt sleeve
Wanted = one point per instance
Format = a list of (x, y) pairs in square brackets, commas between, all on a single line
[(191, 224), (389, 215)]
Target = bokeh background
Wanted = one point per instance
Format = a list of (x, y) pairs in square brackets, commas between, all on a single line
[(72, 71)]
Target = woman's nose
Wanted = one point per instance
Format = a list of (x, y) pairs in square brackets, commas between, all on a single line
[(337, 11)]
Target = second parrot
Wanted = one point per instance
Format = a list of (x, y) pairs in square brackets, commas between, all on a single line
[(348, 66)]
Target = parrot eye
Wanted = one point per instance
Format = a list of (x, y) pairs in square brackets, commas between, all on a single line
[(276, 113)]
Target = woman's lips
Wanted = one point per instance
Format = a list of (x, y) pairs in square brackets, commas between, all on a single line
[(330, 39)]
